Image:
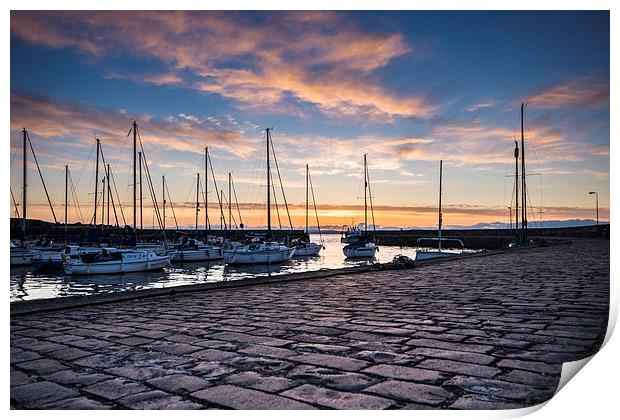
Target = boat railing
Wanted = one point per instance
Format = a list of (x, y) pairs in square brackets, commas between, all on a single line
[(439, 242)]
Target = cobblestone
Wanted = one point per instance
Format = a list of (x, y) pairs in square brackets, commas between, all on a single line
[(477, 333)]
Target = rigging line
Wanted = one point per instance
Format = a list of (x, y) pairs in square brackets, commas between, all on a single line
[(275, 199), (172, 207), (318, 225), (14, 203), (118, 197), (42, 180), (372, 212), (281, 185), (74, 195), (150, 184), (233, 216), (102, 190), (237, 202), (204, 191), (219, 198)]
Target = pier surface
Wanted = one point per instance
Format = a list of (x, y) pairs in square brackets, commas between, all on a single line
[(478, 333)]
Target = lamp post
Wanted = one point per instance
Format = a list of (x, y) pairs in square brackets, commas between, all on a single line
[(596, 193)]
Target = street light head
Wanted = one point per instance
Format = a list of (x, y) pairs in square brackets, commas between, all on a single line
[(592, 192)]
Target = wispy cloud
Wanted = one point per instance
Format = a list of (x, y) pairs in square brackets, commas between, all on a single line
[(77, 122), (314, 58), (583, 90)]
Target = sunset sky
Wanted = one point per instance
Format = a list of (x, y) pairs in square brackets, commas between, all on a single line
[(407, 88)]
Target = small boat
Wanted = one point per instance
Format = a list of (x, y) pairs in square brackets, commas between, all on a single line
[(424, 252), (307, 249), (53, 260), (191, 250), (303, 248), (114, 261), (259, 253), (358, 242), (21, 255), (261, 250), (360, 250)]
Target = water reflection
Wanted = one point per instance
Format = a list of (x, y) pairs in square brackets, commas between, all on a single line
[(27, 285)]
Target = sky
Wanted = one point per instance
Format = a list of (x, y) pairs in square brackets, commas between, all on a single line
[(406, 88)]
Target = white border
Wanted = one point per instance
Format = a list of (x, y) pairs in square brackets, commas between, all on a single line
[(592, 395)]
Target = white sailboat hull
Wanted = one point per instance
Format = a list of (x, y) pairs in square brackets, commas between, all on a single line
[(21, 257), (367, 251), (151, 263), (309, 250), (258, 257), (191, 255), (427, 255)]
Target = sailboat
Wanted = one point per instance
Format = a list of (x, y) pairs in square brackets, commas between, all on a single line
[(309, 249), (112, 260), (190, 249), (425, 252), (22, 254), (257, 251), (358, 243)]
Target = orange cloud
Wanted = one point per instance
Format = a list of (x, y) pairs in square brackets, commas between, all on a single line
[(315, 58)]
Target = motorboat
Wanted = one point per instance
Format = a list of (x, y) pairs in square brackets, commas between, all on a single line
[(360, 250), (191, 250), (21, 255), (53, 260), (114, 261), (307, 249), (259, 253)]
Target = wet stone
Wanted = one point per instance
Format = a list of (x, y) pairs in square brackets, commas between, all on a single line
[(230, 396), (115, 388), (332, 378), (260, 382), (338, 399), (37, 394)]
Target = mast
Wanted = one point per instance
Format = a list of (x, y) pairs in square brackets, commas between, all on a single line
[(230, 200), (197, 197), (66, 198), (207, 224), (365, 200), (24, 184), (523, 183), (440, 193), (102, 201), (107, 177), (135, 137), (140, 171), (268, 190), (98, 146), (163, 197), (516, 192), (307, 174)]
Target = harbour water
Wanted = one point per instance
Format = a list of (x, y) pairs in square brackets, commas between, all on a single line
[(27, 284)]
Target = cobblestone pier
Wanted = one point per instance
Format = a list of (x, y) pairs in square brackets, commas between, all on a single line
[(478, 333)]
